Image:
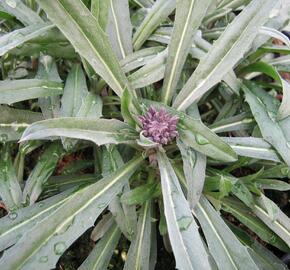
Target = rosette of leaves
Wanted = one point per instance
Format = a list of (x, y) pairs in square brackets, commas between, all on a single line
[(153, 92)]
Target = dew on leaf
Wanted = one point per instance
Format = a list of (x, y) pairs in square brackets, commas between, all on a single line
[(201, 140), (59, 248), (184, 223)]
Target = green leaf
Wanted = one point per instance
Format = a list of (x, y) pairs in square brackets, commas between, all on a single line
[(244, 215), (42, 171), (252, 147), (124, 215), (188, 17), (265, 114), (100, 10), (15, 225), (42, 246), (100, 256), (277, 221), (18, 37), (225, 248), (83, 31), (74, 92), (152, 72), (99, 131), (119, 28), (157, 14), (260, 254), (91, 107), (141, 194), (10, 191), (194, 166), (23, 13), (19, 90), (225, 53), (139, 251), (182, 229)]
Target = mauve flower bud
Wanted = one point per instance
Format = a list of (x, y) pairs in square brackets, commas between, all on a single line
[(159, 126)]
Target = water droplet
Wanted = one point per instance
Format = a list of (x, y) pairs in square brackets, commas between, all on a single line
[(288, 144), (145, 75), (184, 223), (102, 205), (55, 155), (140, 59), (247, 121), (11, 3), (59, 248), (201, 140), (64, 228), (43, 259), (285, 171), (3, 138), (272, 116), (12, 215)]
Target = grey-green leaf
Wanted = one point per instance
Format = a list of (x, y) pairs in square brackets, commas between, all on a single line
[(99, 131), (139, 251), (182, 229), (188, 17), (100, 256), (119, 27), (225, 248), (10, 190), (19, 90), (225, 53), (83, 31), (41, 250), (20, 36), (157, 14)]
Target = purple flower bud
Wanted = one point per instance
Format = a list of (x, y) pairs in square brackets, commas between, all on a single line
[(159, 126)]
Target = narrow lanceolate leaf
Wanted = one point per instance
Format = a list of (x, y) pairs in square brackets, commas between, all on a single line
[(41, 172), (157, 14), (39, 249), (22, 12), (269, 126), (263, 258), (19, 90), (100, 256), (74, 92), (144, 3), (272, 32), (152, 72), (252, 147), (182, 229), (100, 10), (188, 17), (119, 27), (20, 221), (284, 109), (225, 53), (91, 107), (139, 252), (83, 31), (124, 215), (14, 121), (277, 222), (245, 216), (225, 248), (194, 165), (99, 131), (10, 191), (18, 37), (47, 70)]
